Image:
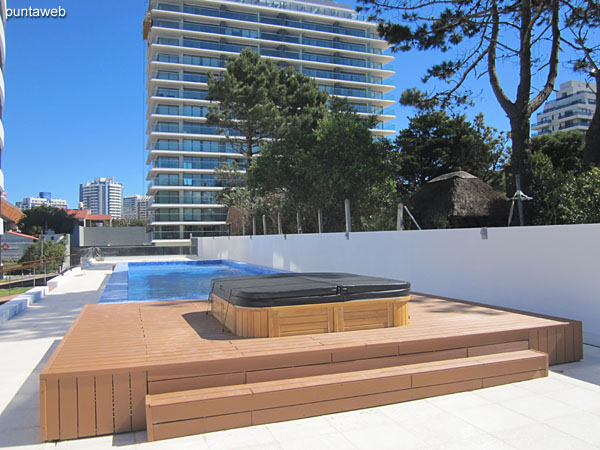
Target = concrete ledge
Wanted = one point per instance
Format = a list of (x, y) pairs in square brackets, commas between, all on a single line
[(18, 304)]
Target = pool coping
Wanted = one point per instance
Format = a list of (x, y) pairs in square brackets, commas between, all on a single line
[(116, 290)]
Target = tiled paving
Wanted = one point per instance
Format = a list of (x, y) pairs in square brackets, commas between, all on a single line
[(561, 411)]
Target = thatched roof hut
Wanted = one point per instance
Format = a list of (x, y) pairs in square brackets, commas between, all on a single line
[(459, 200)]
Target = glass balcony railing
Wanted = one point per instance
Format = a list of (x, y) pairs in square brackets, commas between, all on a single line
[(357, 77), (171, 235), (279, 4), (184, 201), (265, 35), (576, 112), (193, 146), (204, 163), (193, 94), (199, 215), (576, 102), (361, 93), (300, 56), (574, 123), (186, 111), (386, 126), (182, 183), (369, 109)]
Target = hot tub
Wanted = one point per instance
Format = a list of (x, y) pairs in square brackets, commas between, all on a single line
[(306, 303)]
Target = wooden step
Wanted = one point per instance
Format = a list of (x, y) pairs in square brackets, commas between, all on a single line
[(218, 408)]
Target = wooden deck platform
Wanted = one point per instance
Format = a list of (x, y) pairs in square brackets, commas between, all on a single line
[(113, 356)]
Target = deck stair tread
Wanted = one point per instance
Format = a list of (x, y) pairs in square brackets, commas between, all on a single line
[(210, 409)]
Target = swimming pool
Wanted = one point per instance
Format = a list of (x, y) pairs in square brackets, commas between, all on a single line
[(171, 280)]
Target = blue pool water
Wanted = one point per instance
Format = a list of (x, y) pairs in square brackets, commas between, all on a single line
[(173, 280)]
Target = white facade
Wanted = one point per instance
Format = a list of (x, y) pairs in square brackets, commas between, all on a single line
[(32, 202), (186, 41), (572, 109), (102, 196)]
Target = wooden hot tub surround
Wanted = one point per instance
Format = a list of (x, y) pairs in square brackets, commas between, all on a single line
[(316, 318)]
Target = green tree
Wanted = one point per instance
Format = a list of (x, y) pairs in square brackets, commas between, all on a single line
[(435, 144), (54, 250), (483, 34), (128, 222), (340, 160), (40, 218), (564, 197), (259, 101), (565, 149), (583, 29)]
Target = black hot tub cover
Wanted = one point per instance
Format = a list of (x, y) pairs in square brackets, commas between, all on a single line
[(305, 288)]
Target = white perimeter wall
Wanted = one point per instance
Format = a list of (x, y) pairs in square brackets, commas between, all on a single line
[(550, 270)]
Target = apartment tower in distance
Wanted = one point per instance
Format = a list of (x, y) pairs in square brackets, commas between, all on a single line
[(187, 40), (572, 109), (136, 207), (102, 196)]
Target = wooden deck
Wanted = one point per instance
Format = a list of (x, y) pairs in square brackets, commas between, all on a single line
[(97, 380)]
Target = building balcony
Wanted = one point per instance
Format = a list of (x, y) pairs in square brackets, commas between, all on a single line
[(266, 36), (225, 47), (307, 9)]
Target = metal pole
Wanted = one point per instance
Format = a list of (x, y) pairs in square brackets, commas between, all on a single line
[(400, 217), (520, 202), (264, 224), (253, 226), (243, 226), (320, 218), (299, 222), (348, 222), (279, 227)]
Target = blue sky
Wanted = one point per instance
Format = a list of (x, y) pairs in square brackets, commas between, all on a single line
[(75, 97)]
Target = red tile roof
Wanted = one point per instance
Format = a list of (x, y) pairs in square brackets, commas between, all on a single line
[(10, 212), (80, 214), (22, 235), (98, 217)]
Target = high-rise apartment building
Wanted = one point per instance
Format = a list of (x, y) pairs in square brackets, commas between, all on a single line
[(102, 196), (572, 109), (136, 207), (44, 198), (2, 60), (189, 39)]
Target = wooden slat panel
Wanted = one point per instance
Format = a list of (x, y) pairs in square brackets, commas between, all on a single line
[(560, 345), (498, 348), (569, 343), (68, 407), (122, 402), (534, 343), (49, 412), (543, 340), (86, 405), (273, 323), (577, 341), (349, 404), (552, 345), (104, 405), (138, 395), (184, 384), (190, 427)]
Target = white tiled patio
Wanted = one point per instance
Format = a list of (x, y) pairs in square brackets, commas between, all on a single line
[(561, 411)]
